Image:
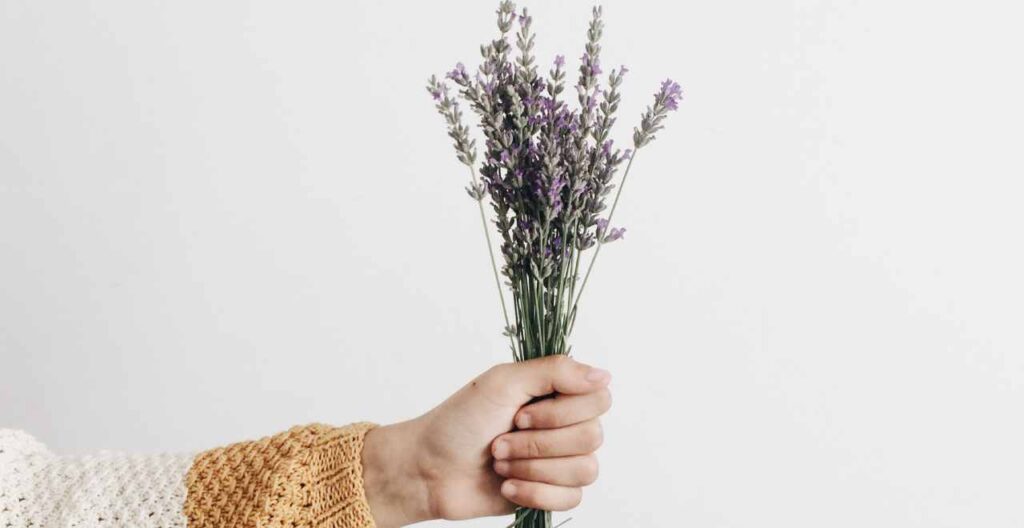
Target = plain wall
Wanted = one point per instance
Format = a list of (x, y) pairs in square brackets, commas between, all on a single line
[(220, 219)]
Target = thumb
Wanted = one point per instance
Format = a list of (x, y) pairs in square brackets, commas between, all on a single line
[(543, 376)]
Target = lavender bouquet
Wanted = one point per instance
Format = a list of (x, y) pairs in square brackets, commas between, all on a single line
[(547, 170)]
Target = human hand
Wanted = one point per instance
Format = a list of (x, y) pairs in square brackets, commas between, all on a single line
[(463, 459)]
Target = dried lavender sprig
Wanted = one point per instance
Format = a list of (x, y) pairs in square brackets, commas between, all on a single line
[(524, 41), (466, 152), (465, 149), (509, 329), (665, 100), (587, 89)]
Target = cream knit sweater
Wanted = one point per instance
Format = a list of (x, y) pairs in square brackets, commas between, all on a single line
[(309, 476)]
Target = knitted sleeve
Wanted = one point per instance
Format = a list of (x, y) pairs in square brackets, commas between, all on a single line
[(309, 476)]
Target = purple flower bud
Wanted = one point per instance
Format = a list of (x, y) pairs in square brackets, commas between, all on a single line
[(614, 234), (458, 74), (556, 189), (555, 247), (671, 93), (624, 70), (559, 61)]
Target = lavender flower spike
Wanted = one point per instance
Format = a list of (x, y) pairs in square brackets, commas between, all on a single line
[(665, 100)]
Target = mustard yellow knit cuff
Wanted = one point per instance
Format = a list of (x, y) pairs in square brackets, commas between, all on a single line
[(309, 476)]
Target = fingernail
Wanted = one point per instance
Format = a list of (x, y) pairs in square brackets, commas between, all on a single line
[(501, 449), (597, 375), (501, 467), (509, 488), (524, 421)]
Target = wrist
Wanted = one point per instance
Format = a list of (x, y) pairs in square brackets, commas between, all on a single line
[(395, 488)]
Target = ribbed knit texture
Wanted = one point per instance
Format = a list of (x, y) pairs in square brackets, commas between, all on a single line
[(309, 476), (306, 477)]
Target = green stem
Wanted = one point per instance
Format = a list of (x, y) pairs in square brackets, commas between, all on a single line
[(518, 356), (561, 301), (537, 309), (600, 241), (494, 264)]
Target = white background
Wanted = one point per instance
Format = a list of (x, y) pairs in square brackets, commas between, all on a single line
[(220, 219)]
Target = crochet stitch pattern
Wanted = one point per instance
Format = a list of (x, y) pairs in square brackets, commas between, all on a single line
[(309, 476), (106, 490)]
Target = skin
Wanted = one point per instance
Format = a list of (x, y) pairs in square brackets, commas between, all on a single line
[(487, 449)]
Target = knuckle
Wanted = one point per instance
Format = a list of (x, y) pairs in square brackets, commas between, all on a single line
[(561, 364), (534, 447), (497, 372), (447, 506), (559, 359)]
